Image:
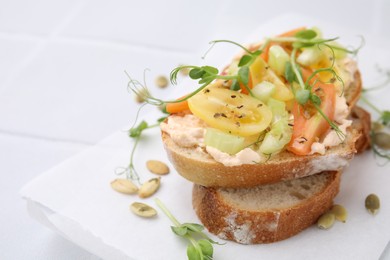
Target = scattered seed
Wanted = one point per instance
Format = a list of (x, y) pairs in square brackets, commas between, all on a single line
[(326, 221), (124, 186), (382, 140), (157, 167), (149, 188), (372, 203), (339, 212), (161, 81), (376, 127), (143, 210)]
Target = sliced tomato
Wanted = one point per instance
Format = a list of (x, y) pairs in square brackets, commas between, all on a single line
[(231, 111), (308, 125)]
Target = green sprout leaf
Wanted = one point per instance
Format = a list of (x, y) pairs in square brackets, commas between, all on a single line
[(244, 60), (200, 246), (180, 231), (193, 227), (243, 75), (210, 70), (196, 73), (136, 131), (207, 247), (315, 99), (289, 72), (235, 85), (193, 253), (306, 34)]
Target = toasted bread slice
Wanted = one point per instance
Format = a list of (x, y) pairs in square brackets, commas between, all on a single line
[(266, 213), (199, 167)]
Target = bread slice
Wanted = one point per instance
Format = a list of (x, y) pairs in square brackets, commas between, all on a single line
[(267, 213)]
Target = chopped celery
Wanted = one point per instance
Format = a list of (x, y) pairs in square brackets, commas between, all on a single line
[(277, 138), (278, 108), (224, 142), (277, 59), (338, 54), (263, 91), (310, 56)]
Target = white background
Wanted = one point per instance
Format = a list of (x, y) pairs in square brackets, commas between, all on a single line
[(63, 87)]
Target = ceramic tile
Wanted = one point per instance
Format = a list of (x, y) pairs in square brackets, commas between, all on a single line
[(13, 53), (161, 24), (78, 91), (39, 17)]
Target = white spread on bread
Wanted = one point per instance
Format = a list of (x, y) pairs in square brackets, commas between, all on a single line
[(245, 156), (325, 163), (185, 131), (332, 138)]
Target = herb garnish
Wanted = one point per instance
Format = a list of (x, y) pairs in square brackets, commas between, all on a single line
[(135, 132), (201, 246)]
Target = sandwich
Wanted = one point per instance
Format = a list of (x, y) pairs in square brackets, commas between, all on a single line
[(266, 139)]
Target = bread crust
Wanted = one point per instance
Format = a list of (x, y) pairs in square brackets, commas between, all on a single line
[(200, 168), (261, 226)]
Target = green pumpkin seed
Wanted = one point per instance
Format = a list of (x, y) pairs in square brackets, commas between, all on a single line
[(326, 221), (382, 140), (339, 212), (376, 127), (372, 204), (143, 210)]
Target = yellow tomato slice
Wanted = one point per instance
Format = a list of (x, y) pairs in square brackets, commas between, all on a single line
[(260, 71), (231, 111)]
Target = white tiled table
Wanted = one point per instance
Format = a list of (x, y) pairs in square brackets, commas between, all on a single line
[(62, 85)]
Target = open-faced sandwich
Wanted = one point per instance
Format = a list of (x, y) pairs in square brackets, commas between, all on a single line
[(279, 111), (265, 140)]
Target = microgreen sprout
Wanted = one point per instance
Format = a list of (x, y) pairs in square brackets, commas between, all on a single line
[(135, 132), (200, 246)]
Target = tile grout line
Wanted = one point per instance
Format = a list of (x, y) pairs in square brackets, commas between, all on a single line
[(43, 44), (45, 138)]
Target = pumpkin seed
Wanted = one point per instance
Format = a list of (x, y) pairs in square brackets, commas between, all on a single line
[(376, 127), (161, 81), (149, 188), (157, 167), (143, 210), (326, 221), (339, 212), (382, 140), (372, 203), (124, 186)]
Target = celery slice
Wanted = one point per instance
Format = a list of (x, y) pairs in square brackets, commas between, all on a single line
[(277, 59), (263, 91), (275, 140), (278, 108), (224, 142), (310, 56)]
